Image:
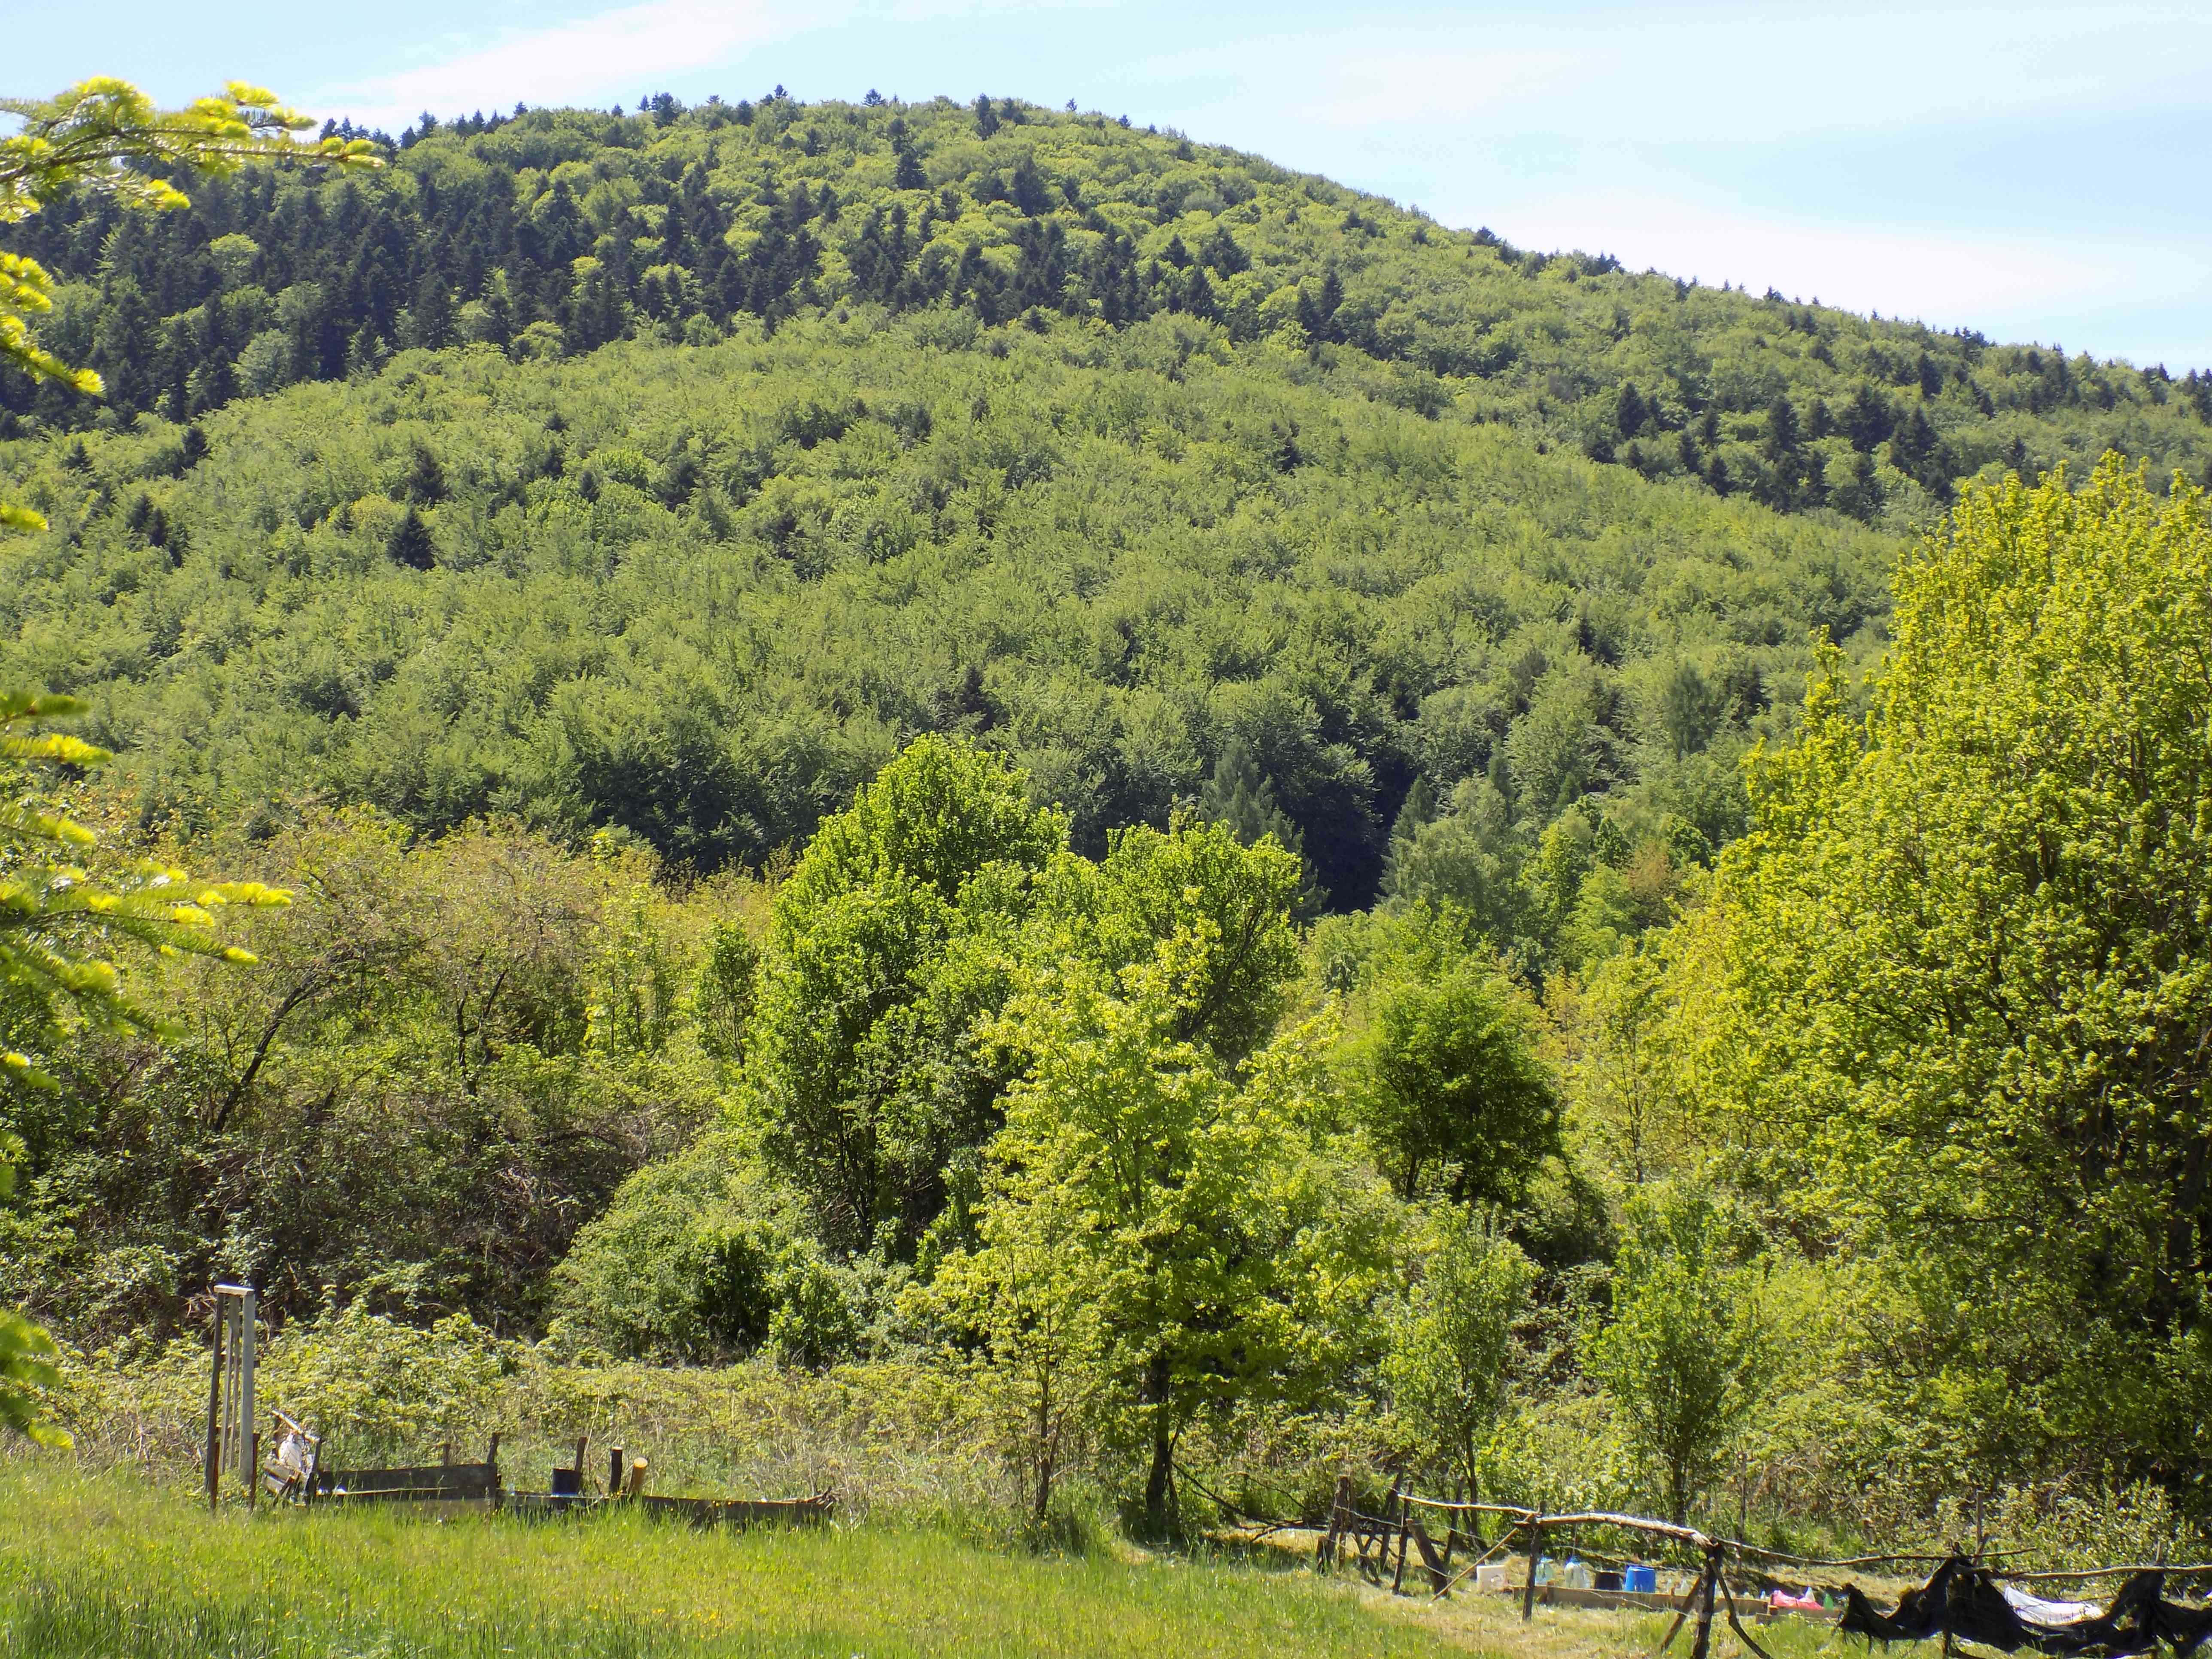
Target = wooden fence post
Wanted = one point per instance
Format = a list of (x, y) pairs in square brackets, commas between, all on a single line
[(1405, 1534), (1439, 1567), (1336, 1508), (1701, 1647), (1536, 1554), (214, 1414)]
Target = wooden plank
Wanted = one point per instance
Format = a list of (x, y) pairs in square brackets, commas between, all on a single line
[(1569, 1595), (459, 1482), (743, 1511), (214, 1469)]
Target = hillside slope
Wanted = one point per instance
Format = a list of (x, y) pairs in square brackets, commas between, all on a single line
[(700, 591), (554, 232)]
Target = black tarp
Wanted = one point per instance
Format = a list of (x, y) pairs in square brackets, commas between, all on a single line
[(1966, 1601)]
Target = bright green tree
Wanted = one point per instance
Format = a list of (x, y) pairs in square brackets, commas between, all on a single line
[(65, 915), (1139, 1179), (1449, 1085), (1167, 1162), (1022, 1297), (1448, 1366), (890, 942), (1955, 986), (1225, 908), (1686, 1357)]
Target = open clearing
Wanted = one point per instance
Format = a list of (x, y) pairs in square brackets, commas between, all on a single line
[(108, 1565)]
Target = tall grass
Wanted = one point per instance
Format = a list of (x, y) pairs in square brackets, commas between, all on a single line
[(894, 1441), (110, 1566)]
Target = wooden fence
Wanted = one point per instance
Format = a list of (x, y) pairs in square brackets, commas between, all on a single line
[(1400, 1531), (308, 1481), (1383, 1546)]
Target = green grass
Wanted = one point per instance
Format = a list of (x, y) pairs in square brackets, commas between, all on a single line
[(108, 1567)]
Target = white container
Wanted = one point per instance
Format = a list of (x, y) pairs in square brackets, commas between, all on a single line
[(1490, 1575)]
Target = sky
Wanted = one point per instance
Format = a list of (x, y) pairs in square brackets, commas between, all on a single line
[(2031, 171)]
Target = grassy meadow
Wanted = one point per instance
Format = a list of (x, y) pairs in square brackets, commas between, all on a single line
[(112, 1565)]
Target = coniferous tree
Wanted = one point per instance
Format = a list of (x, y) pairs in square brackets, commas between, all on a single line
[(430, 318), (426, 479), (411, 543), (1027, 189), (365, 353), (1237, 793), (1220, 251), (906, 172), (1629, 413)]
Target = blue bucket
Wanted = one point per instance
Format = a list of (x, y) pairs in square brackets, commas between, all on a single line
[(1645, 1580)]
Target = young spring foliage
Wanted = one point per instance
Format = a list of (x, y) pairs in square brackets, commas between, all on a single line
[(1687, 1355), (1447, 1367), (552, 232), (68, 909), (1180, 1191), (1955, 983)]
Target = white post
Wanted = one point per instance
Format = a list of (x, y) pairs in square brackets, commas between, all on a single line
[(237, 1305), (248, 1417)]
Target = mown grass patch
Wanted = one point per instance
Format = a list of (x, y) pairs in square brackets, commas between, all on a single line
[(109, 1566)]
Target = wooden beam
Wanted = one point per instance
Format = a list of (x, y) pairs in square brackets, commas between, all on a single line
[(214, 1470), (1702, 1647)]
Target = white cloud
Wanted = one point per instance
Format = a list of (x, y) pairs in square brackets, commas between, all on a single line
[(587, 61)]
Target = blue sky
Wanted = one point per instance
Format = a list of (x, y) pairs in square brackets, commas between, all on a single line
[(2033, 171)]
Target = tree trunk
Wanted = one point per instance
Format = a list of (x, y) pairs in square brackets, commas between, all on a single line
[(1044, 1461), (1156, 1518)]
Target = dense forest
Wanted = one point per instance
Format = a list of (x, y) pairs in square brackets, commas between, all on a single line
[(970, 740), (698, 593), (550, 232)]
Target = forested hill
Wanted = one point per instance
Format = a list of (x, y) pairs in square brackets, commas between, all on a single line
[(552, 232), (667, 472), (702, 593)]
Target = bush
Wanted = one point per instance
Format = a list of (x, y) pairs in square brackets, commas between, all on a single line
[(701, 1257)]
